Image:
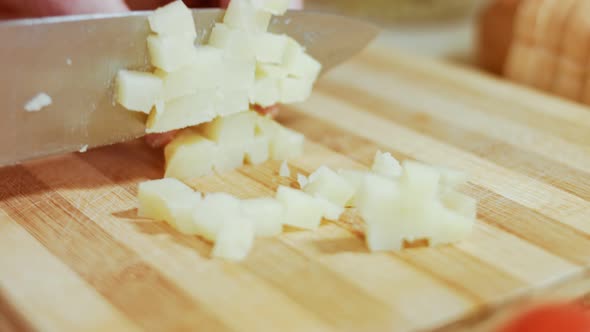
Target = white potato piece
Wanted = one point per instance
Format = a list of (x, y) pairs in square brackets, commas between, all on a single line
[(299, 64), (295, 90), (201, 74), (264, 70), (266, 215), (420, 184), (383, 237), (138, 91), (238, 73), (173, 19), (213, 212), (376, 198), (265, 92), (302, 180), (169, 200), (355, 178), (325, 183), (234, 240), (170, 53), (231, 129), (229, 101), (285, 143), (301, 210), (182, 112), (189, 156), (386, 165), (284, 170), (460, 203), (270, 47), (449, 227), (234, 43), (243, 15), (230, 157), (257, 150), (330, 210), (38, 102), (275, 7), (450, 179)]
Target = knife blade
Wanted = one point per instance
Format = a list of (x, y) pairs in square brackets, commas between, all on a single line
[(75, 59)]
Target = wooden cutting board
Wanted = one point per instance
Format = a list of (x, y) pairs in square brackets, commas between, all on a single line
[(76, 258)]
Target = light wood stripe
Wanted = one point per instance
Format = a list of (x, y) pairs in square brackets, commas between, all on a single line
[(458, 117), (523, 189), (33, 293), (132, 286), (515, 102), (184, 260)]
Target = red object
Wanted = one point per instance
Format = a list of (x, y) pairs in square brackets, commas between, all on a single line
[(551, 318)]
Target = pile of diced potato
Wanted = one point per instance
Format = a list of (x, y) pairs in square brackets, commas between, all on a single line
[(207, 90)]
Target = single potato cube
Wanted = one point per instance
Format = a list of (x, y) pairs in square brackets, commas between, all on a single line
[(265, 92), (243, 15), (285, 143), (201, 74), (173, 19), (448, 226), (275, 7), (450, 179), (301, 210), (234, 43), (299, 64), (234, 240), (182, 112), (295, 90), (231, 129), (138, 91), (228, 102), (213, 212), (420, 184), (189, 156), (238, 73), (383, 237), (270, 48), (170, 53), (266, 215), (169, 200), (257, 150), (460, 203), (231, 156), (355, 179), (325, 183), (376, 197), (386, 165), (330, 210)]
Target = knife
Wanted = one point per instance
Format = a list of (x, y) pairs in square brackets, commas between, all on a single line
[(75, 59)]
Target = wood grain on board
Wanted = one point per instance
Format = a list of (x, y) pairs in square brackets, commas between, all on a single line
[(76, 257)]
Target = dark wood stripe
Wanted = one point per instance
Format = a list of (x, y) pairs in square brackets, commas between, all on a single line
[(117, 273), (11, 320), (509, 156), (508, 107), (500, 212)]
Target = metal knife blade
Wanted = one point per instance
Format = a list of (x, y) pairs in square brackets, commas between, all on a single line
[(75, 60)]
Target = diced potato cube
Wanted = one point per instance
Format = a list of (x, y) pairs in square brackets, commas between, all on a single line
[(383, 237), (270, 48), (170, 53), (301, 210), (173, 19), (266, 215), (460, 203), (238, 73), (450, 179), (285, 143), (234, 43), (325, 183), (138, 91), (275, 7), (295, 90), (231, 156), (189, 156), (182, 112), (448, 226), (257, 150), (300, 64), (213, 212), (231, 129), (330, 210), (234, 239), (169, 200), (386, 165), (201, 74), (241, 14), (355, 179), (228, 102), (265, 92), (284, 170), (264, 70), (376, 197), (420, 183)]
